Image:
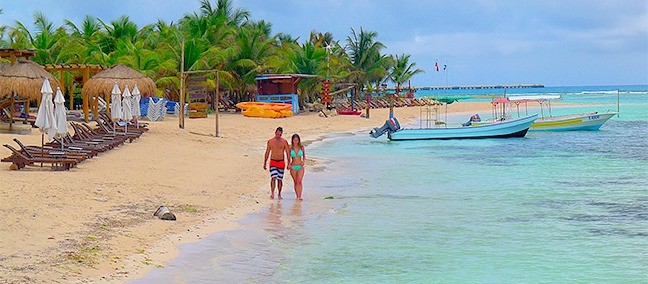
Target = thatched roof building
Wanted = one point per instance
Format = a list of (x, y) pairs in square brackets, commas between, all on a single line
[(25, 79), (102, 83)]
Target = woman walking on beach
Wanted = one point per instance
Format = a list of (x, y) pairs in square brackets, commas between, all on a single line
[(297, 158)]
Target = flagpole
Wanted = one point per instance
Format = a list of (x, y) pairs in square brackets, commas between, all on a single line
[(445, 71)]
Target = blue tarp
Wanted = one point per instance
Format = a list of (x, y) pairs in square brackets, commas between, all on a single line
[(170, 105)]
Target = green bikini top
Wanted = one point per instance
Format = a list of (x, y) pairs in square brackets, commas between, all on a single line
[(299, 154)]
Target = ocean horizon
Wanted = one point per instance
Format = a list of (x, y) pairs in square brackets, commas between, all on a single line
[(549, 207)]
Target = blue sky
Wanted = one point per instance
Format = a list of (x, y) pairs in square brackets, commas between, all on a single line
[(551, 42)]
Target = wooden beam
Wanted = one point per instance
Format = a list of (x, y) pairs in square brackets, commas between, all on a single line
[(182, 86), (217, 101), (86, 111)]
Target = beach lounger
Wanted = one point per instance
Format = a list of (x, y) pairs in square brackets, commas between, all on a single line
[(131, 127), (19, 160), (85, 132), (68, 141), (105, 129), (47, 152), (98, 141)]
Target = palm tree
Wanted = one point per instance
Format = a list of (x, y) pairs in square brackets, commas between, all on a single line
[(368, 65), (254, 51), (224, 8), (309, 59), (321, 39), (88, 36), (52, 45), (120, 29), (218, 36), (402, 71), (3, 28), (90, 28)]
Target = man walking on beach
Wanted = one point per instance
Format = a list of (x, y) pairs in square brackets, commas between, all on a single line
[(277, 148)]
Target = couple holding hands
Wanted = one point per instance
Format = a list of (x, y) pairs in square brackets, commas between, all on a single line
[(277, 148)]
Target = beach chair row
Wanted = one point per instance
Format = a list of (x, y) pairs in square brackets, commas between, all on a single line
[(384, 103), (64, 153)]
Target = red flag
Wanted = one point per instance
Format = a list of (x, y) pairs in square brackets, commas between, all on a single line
[(436, 66)]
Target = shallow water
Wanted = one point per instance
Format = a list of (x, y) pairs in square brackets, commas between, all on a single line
[(550, 207)]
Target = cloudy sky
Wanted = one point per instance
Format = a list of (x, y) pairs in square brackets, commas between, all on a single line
[(550, 42)]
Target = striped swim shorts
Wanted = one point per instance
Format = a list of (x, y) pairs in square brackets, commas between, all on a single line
[(277, 169)]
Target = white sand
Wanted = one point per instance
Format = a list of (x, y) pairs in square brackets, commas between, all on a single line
[(94, 223)]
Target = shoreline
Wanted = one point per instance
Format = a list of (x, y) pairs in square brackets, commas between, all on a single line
[(94, 223)]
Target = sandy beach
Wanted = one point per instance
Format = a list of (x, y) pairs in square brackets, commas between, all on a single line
[(95, 222)]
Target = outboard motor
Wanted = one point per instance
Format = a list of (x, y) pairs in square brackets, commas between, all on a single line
[(391, 125), (474, 118)]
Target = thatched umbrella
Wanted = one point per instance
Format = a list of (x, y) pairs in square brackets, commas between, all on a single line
[(102, 83), (25, 79)]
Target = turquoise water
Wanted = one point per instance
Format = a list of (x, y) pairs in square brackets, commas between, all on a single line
[(564, 207)]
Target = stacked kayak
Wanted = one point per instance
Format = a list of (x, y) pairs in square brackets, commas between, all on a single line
[(269, 110)]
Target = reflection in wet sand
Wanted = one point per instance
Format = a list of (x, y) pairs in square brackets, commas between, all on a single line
[(281, 222), (251, 254)]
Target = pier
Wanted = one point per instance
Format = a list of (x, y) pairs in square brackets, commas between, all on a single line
[(479, 87)]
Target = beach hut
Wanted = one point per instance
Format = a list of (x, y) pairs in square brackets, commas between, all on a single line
[(102, 84), (280, 88)]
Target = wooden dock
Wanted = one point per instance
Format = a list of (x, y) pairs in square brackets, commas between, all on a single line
[(479, 87), (472, 87)]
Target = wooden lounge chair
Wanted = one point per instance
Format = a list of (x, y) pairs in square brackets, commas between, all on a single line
[(84, 132), (68, 141), (47, 152), (20, 160), (107, 129), (143, 127), (102, 143), (66, 148)]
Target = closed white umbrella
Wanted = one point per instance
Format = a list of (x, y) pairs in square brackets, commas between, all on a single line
[(127, 107), (45, 117), (137, 96), (60, 115), (115, 105)]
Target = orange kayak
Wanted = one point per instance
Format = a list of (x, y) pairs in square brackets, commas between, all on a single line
[(269, 106), (254, 111)]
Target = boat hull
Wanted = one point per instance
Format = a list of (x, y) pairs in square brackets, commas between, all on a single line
[(506, 129), (585, 121)]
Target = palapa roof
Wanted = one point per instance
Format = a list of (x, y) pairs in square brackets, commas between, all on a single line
[(26, 79), (102, 83)]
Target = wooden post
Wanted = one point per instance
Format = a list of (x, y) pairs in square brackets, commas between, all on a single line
[(182, 92), (86, 111), (368, 97), (107, 99), (217, 101), (11, 111), (95, 107), (391, 101), (62, 82)]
